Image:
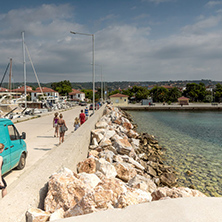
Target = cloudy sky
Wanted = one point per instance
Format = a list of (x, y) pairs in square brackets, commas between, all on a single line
[(135, 40)]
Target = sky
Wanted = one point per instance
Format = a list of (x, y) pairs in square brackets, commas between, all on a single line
[(135, 40)]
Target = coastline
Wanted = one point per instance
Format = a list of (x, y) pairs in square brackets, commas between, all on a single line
[(173, 107)]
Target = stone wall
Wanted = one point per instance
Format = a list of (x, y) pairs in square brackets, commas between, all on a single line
[(30, 188), (123, 168)]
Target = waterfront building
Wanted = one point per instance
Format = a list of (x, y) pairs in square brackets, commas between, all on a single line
[(183, 100), (50, 94), (76, 95), (21, 90), (119, 99)]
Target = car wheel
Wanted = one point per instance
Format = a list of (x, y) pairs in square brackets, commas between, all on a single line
[(22, 162)]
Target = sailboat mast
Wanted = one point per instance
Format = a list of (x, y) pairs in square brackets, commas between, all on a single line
[(10, 76), (24, 64)]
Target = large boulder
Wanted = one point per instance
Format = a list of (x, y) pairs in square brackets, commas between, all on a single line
[(58, 214), (89, 179), (37, 215), (133, 196), (98, 134), (64, 191), (101, 125), (106, 168), (107, 155), (133, 162), (124, 171), (105, 142), (168, 179), (164, 192), (142, 183), (88, 166), (122, 145)]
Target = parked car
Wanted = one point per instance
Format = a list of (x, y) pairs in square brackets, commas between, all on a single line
[(83, 103), (15, 151)]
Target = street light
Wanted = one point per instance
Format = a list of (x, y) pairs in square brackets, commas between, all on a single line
[(101, 81), (93, 62)]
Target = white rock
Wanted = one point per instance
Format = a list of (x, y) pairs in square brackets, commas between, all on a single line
[(110, 133), (105, 142), (35, 214), (107, 155), (142, 183), (89, 179), (106, 168), (94, 142), (58, 214), (101, 124)]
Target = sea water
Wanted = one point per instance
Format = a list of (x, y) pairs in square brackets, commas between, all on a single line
[(192, 142)]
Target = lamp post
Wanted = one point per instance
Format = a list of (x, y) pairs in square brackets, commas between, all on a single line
[(24, 65), (93, 62), (101, 81)]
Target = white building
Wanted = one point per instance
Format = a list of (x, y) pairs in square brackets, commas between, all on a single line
[(49, 94), (76, 95)]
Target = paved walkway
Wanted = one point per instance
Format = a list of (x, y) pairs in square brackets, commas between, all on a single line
[(40, 138)]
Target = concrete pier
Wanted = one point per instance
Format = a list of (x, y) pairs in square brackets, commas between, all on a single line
[(173, 107), (30, 188)]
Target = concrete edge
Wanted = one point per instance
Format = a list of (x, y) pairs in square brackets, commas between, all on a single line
[(30, 188), (195, 209)]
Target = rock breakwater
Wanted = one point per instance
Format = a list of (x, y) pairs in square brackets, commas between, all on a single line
[(123, 168)]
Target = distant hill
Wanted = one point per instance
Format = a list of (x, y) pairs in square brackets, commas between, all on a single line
[(111, 86)]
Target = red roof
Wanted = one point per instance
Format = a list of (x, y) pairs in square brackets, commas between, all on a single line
[(22, 89), (183, 98), (3, 89), (44, 89), (167, 87), (74, 92), (119, 95)]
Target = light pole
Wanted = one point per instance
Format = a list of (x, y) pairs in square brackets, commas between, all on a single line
[(93, 62), (101, 81)]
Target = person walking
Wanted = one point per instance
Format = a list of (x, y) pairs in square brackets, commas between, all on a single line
[(3, 184), (82, 117), (62, 128), (55, 124), (86, 112), (76, 123)]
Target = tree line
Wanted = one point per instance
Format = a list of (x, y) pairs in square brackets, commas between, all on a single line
[(195, 92)]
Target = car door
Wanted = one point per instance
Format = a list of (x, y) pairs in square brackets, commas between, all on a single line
[(4, 139), (15, 145)]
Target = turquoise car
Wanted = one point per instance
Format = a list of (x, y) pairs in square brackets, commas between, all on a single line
[(15, 151)]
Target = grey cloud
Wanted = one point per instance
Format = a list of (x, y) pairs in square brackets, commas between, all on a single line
[(124, 51)]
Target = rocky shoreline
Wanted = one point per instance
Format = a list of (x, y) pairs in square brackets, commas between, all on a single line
[(123, 168)]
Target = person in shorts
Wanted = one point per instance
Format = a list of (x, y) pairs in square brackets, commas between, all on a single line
[(3, 184)]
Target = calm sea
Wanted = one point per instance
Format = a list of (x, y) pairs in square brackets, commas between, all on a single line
[(193, 142)]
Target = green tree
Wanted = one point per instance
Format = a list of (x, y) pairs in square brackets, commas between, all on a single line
[(174, 94), (63, 87), (114, 92), (218, 92), (196, 92), (159, 94)]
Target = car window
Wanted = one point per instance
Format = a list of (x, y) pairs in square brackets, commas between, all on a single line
[(13, 133)]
